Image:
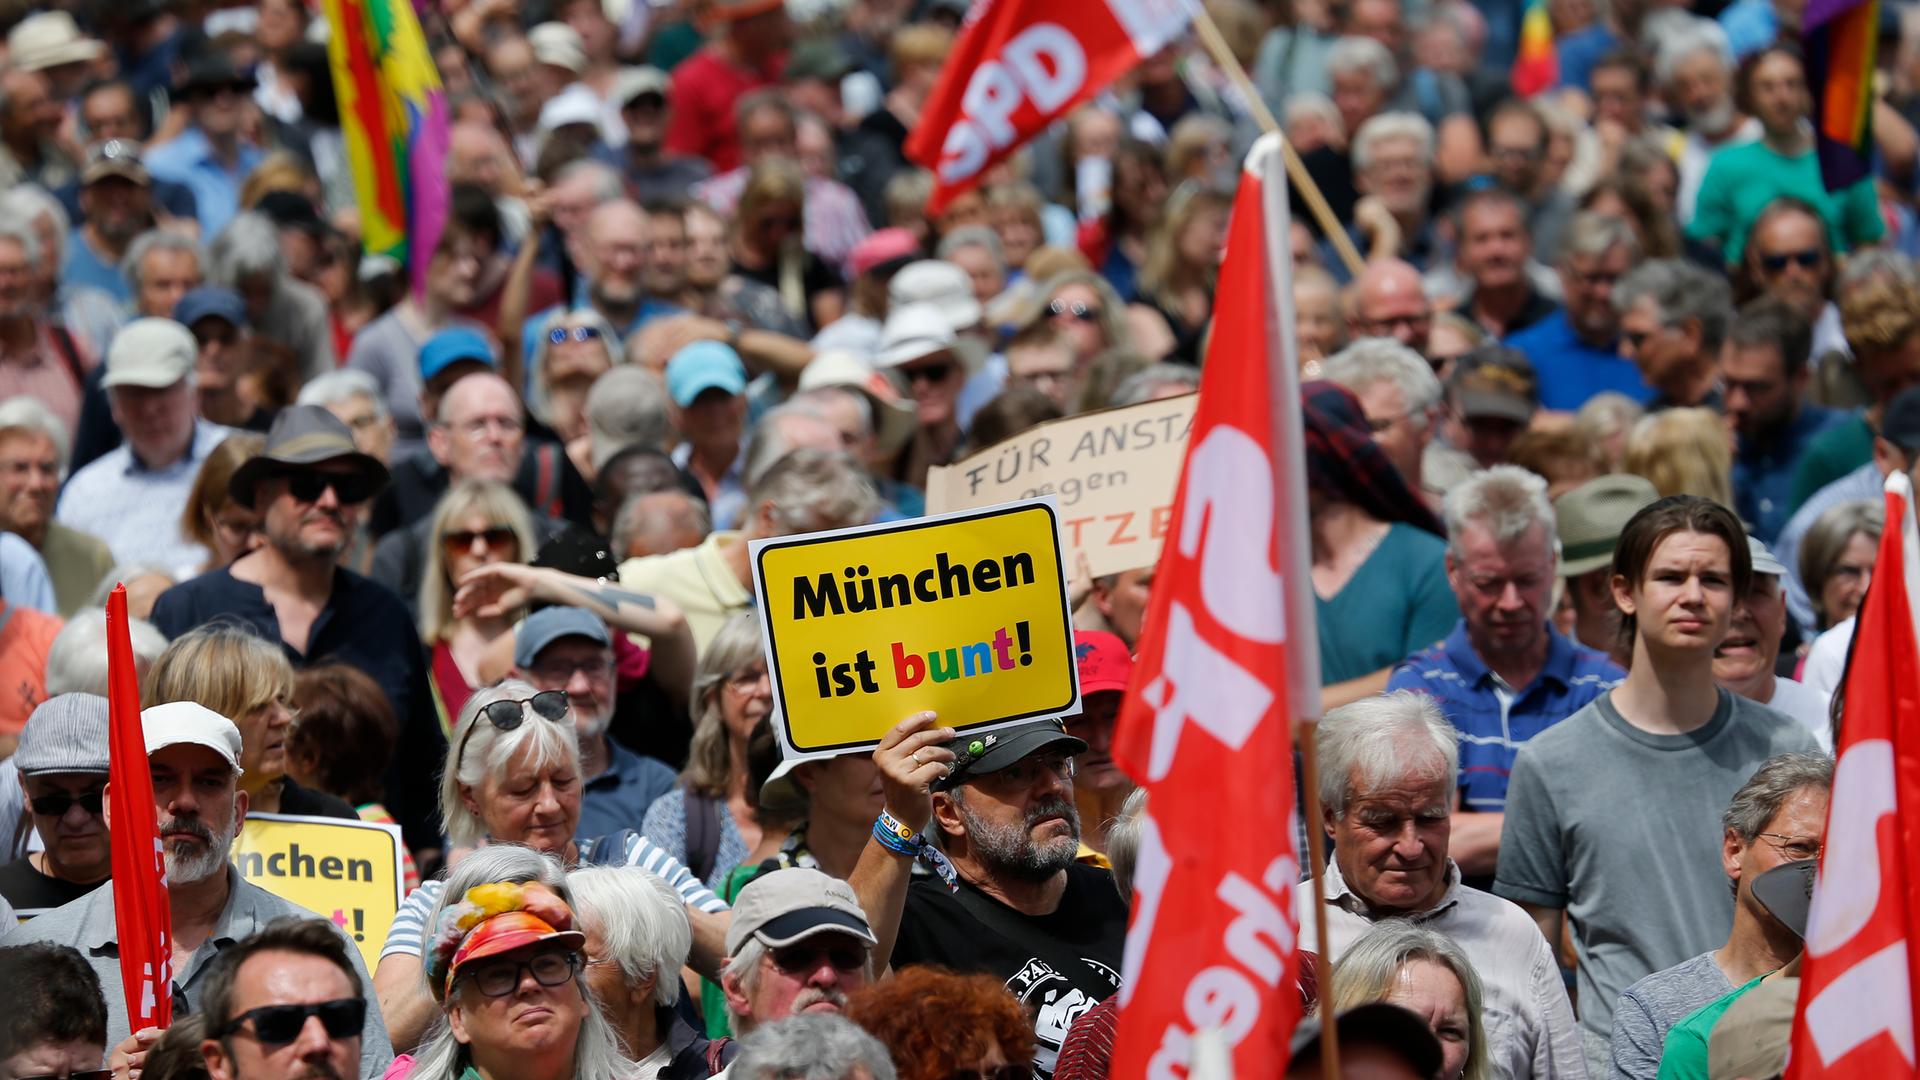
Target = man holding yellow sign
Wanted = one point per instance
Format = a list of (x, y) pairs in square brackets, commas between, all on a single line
[(965, 614)]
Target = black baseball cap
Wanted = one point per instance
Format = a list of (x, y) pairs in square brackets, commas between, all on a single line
[(977, 755), (1389, 1027), (1900, 424)]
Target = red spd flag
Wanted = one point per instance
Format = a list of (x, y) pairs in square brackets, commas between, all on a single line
[(1856, 1014), (1019, 66), (140, 913), (1228, 660)]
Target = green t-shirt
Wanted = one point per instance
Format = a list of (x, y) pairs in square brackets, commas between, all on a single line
[(1396, 604), (1741, 180), (1832, 454), (1684, 1056)]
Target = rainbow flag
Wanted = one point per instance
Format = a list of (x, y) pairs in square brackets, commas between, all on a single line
[(1537, 67), (1841, 37), (393, 115)]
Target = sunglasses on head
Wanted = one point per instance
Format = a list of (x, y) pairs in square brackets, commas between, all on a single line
[(307, 484), (1076, 309), (508, 714), (560, 334), (56, 804), (278, 1025), (1807, 260), (805, 956), (495, 537)]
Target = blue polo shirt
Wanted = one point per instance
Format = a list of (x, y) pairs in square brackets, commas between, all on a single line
[(1764, 468), (1493, 719), (1572, 371), (618, 798)]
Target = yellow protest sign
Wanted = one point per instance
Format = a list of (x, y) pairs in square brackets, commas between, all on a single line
[(343, 870), (964, 613), (1114, 472)]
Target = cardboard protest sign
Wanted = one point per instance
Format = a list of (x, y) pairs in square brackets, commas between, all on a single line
[(965, 614), (339, 869), (1113, 471)]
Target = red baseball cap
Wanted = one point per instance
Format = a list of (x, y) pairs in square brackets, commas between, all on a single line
[(882, 246), (1105, 663)]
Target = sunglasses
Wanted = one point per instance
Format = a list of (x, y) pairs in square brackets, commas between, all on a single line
[(559, 335), (935, 372), (996, 1072), (59, 802), (508, 714), (499, 978), (278, 1025), (494, 537), (1076, 309), (89, 1074), (307, 484), (804, 957), (1807, 260)]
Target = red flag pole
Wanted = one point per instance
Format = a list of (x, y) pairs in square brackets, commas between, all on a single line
[(142, 919)]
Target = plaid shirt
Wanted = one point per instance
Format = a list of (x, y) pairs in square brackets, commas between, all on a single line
[(832, 216), (1493, 719)]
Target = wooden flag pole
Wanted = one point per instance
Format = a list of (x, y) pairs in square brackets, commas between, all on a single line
[(1216, 44), (1317, 877)]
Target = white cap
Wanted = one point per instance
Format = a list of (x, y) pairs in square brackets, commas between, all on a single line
[(634, 81), (179, 722), (893, 419), (574, 105), (935, 281), (154, 353), (912, 333), (558, 44)]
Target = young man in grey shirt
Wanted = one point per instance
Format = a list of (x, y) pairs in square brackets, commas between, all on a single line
[(1778, 817), (1613, 815)]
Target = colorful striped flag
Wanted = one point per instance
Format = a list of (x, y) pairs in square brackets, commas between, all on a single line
[(1841, 38), (393, 115), (1537, 67)]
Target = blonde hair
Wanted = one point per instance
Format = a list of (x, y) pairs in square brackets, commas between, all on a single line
[(226, 666), (1683, 452), (278, 171), (920, 44), (1165, 270), (500, 506), (708, 761), (1367, 971)]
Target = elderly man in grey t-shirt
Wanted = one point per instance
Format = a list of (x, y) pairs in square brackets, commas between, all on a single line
[(1613, 815), (1779, 816)]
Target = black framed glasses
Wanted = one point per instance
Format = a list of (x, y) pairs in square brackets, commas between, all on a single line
[(278, 1025), (560, 335), (1806, 260), (498, 978), (307, 484), (508, 714), (935, 372), (57, 803)]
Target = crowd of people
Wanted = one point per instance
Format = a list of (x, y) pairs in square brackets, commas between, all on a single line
[(1596, 426)]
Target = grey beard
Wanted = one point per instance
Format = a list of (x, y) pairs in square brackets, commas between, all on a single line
[(1714, 121), (1011, 849), (190, 869)]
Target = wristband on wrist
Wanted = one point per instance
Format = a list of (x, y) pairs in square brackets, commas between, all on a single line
[(896, 836)]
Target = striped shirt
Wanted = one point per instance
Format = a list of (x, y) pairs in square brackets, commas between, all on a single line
[(136, 509), (1494, 719), (409, 930)]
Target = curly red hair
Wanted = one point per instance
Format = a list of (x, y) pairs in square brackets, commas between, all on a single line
[(935, 1022)]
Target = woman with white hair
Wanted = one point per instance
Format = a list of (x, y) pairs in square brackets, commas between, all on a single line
[(1425, 973), (505, 968), (637, 942), (512, 776)]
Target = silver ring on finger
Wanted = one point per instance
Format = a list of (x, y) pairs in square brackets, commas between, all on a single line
[(916, 758)]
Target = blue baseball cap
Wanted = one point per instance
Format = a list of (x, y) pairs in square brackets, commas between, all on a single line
[(703, 366), (452, 345), (550, 624), (210, 301)]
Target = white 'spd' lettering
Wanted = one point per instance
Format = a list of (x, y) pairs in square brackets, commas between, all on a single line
[(1044, 63)]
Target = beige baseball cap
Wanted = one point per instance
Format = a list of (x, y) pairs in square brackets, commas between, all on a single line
[(154, 353)]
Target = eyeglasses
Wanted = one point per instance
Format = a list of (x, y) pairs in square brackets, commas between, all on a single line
[(57, 803), (278, 1025), (307, 484), (89, 1074), (745, 683), (1077, 310), (1793, 847), (1021, 774), (1384, 327), (935, 372), (506, 715), (996, 1072), (804, 957), (560, 672), (559, 334), (1807, 260), (495, 537), (499, 978)]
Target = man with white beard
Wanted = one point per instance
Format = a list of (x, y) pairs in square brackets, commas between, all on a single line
[(1694, 70), (194, 756)]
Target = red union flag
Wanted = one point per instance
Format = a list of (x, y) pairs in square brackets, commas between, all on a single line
[(1019, 66), (1856, 1014), (143, 921), (1224, 666)]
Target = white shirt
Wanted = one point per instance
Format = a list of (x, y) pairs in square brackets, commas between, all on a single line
[(651, 1066), (1529, 1021), (1827, 660), (1807, 705)]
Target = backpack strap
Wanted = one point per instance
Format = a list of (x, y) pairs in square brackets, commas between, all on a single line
[(703, 832), (69, 351), (717, 1056), (546, 484)]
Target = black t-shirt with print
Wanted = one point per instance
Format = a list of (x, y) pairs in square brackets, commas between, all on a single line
[(1057, 965)]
